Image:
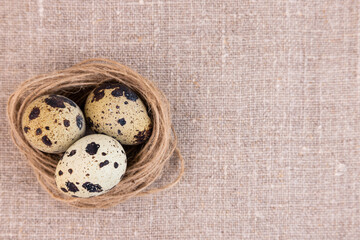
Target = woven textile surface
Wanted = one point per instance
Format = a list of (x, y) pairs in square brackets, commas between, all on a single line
[(265, 100)]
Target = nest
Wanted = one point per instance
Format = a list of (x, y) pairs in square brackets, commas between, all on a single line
[(145, 162)]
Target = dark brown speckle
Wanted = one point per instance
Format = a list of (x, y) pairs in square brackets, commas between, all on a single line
[(38, 131), (46, 140), (26, 129), (92, 148), (121, 90), (79, 121), (71, 187), (99, 91), (72, 153), (122, 121), (57, 101), (34, 113), (104, 163), (90, 187), (66, 123)]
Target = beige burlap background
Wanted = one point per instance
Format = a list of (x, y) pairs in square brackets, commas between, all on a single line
[(265, 100)]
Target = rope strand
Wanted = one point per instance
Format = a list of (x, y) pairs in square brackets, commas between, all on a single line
[(76, 82)]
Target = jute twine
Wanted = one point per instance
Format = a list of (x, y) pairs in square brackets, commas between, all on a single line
[(145, 162)]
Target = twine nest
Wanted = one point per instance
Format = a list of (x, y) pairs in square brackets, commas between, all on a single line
[(145, 162)]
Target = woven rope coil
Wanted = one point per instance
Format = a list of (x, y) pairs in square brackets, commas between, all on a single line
[(145, 162)]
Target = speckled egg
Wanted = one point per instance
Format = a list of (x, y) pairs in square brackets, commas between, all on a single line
[(52, 123), (116, 110), (91, 166)]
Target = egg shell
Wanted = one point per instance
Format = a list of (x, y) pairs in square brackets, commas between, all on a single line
[(51, 123), (116, 110), (91, 166)]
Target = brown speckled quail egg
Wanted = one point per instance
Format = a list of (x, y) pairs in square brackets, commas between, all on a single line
[(115, 110), (91, 166), (52, 123)]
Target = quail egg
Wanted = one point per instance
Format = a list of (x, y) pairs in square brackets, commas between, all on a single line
[(52, 123), (91, 166), (116, 110)]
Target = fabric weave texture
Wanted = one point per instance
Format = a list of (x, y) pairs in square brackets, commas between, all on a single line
[(265, 101)]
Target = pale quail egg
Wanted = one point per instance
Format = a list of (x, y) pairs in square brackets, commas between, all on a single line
[(91, 166)]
